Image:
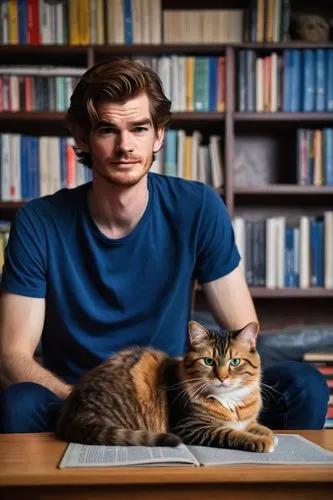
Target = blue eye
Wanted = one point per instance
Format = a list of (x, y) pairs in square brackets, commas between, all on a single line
[(209, 361), (235, 361)]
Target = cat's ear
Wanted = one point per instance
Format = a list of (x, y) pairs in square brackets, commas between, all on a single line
[(248, 334), (197, 333)]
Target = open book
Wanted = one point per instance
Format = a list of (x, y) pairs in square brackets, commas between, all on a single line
[(291, 449)]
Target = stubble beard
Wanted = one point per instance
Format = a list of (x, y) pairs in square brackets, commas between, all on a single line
[(125, 179)]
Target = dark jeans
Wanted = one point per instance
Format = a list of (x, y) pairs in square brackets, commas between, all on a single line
[(295, 397)]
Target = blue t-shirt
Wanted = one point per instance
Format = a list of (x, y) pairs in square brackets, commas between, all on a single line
[(104, 294)]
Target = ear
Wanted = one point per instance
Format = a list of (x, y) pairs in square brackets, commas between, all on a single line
[(81, 140), (197, 333), (159, 138), (248, 334)]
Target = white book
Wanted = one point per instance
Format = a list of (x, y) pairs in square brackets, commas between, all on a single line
[(155, 21), (203, 164), (182, 83), (217, 163), (291, 449), (15, 173), (175, 105), (259, 84), (145, 21), (281, 235), (136, 21), (274, 82), (5, 167), (115, 18), (164, 72), (196, 141), (239, 230)]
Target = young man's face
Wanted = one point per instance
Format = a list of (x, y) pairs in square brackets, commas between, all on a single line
[(123, 141)]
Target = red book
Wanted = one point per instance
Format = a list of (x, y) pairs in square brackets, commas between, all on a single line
[(33, 22)]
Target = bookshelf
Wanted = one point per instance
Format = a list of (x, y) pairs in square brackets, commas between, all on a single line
[(282, 194)]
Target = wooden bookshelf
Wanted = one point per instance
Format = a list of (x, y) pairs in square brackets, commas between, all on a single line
[(227, 124), (298, 118), (56, 117), (290, 293)]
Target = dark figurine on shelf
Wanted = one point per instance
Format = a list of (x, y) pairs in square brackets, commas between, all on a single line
[(313, 28)]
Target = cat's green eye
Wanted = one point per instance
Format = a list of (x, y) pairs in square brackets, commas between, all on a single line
[(235, 362), (209, 361)]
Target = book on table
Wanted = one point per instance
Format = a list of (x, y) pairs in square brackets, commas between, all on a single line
[(291, 449)]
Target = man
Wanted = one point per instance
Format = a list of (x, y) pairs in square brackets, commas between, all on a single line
[(111, 263)]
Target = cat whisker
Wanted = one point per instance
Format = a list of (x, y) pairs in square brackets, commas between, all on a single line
[(266, 393), (271, 388), (180, 384), (185, 391), (197, 392)]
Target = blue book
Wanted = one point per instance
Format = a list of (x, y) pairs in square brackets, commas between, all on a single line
[(329, 79), (170, 153), (128, 29), (212, 93), (328, 155), (320, 80), (295, 80), (286, 84), (34, 167), (289, 281), (22, 21), (321, 253), (308, 81), (314, 252)]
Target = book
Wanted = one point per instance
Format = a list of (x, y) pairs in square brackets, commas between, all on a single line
[(291, 449)]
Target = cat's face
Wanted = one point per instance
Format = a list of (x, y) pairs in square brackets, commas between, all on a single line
[(219, 363)]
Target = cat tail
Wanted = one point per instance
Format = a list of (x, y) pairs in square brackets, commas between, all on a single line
[(116, 436)]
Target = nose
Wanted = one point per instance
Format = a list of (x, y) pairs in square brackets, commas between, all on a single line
[(123, 144)]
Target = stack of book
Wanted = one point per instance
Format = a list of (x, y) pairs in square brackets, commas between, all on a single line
[(323, 360), (299, 80)]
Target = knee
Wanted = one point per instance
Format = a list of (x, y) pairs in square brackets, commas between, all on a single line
[(308, 387), (22, 406)]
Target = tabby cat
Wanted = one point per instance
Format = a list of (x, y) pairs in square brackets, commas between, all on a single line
[(141, 396)]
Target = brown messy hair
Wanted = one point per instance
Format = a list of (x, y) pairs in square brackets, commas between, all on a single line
[(116, 81)]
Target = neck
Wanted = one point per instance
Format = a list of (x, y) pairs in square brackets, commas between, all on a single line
[(116, 209)]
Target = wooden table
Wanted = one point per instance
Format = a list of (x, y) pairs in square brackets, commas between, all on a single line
[(28, 470)]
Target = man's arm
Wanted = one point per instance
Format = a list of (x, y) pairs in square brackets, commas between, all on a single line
[(21, 325), (230, 301)]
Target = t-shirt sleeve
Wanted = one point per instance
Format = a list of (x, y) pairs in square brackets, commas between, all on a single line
[(24, 270), (217, 253)]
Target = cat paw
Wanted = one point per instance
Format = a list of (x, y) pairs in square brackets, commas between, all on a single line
[(262, 444)]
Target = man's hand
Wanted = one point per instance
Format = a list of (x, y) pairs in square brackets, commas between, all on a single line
[(21, 325)]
